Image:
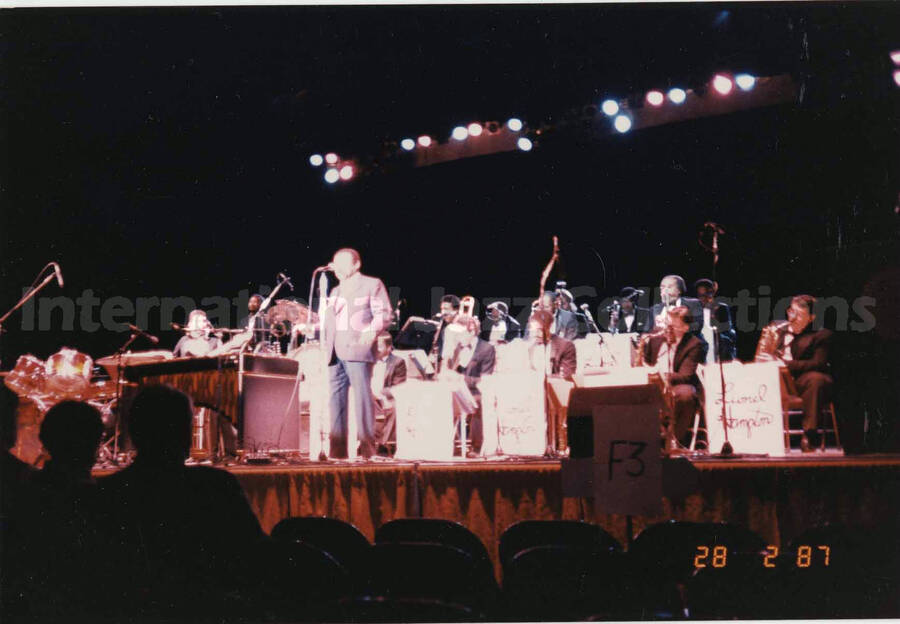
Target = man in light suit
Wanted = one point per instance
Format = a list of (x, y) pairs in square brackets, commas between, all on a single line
[(357, 310)]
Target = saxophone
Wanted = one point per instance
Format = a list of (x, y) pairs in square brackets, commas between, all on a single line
[(768, 341)]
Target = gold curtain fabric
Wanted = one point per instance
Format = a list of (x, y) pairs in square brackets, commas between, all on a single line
[(778, 503)]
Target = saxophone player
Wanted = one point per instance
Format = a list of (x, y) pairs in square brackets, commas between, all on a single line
[(676, 353), (804, 350), (671, 291)]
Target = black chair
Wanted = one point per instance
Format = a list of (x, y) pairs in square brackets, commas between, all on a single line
[(742, 588), (437, 531), (665, 556), (294, 580), (529, 533), (563, 582), (427, 571), (340, 539)]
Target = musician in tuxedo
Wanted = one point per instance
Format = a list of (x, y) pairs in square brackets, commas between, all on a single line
[(547, 351), (356, 311), (472, 357), (388, 371), (448, 312), (672, 290), (804, 350), (499, 326), (632, 319), (676, 355), (715, 315)]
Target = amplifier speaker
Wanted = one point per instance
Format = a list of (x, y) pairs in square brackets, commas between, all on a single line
[(270, 419)]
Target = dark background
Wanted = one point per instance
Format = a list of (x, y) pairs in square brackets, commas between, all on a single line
[(162, 152)]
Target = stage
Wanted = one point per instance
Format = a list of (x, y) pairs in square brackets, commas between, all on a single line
[(776, 497)]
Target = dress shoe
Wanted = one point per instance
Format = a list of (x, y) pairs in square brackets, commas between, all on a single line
[(805, 446), (470, 454)]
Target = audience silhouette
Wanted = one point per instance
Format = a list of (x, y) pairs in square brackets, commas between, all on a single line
[(183, 534)]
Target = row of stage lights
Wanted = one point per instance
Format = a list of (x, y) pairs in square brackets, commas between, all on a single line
[(895, 57), (339, 170), (723, 84)]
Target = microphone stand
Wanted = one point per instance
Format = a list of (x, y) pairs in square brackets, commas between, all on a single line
[(322, 302), (727, 452), (26, 297), (121, 351)]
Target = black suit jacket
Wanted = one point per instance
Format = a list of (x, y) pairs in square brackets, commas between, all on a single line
[(482, 363), (639, 326), (513, 329), (563, 357), (691, 304), (690, 352), (721, 320), (809, 351)]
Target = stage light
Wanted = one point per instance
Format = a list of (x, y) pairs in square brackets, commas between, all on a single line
[(514, 124), (895, 56), (897, 77), (655, 98), (331, 158), (677, 96), (346, 172), (745, 81), (722, 84), (475, 129), (609, 107), (425, 140), (316, 160), (332, 175), (622, 123), (524, 144), (408, 144), (460, 133)]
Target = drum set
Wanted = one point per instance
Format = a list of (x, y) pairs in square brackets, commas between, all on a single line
[(67, 374)]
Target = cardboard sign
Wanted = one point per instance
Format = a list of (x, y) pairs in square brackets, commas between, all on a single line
[(425, 428), (513, 414), (627, 474), (752, 407)]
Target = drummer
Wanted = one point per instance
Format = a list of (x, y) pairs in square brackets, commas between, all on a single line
[(197, 341)]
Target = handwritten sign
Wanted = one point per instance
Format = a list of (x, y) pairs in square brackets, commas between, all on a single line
[(513, 414), (627, 475), (752, 400), (425, 428)]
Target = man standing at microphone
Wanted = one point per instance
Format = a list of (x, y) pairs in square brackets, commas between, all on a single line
[(357, 310)]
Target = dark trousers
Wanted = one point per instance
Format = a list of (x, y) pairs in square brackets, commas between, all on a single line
[(815, 390), (685, 406), (341, 376), (385, 429)]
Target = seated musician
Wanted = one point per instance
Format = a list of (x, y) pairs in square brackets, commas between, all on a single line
[(499, 326), (448, 312), (715, 314), (549, 352), (676, 353), (804, 350), (672, 291), (197, 341), (565, 301), (388, 371), (629, 318), (471, 357)]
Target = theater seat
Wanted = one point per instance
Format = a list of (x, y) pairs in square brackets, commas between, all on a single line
[(529, 533), (563, 583), (437, 531), (427, 571), (340, 539)]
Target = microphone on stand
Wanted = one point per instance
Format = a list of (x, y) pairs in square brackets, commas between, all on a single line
[(715, 226), (286, 280), (137, 330), (58, 271)]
